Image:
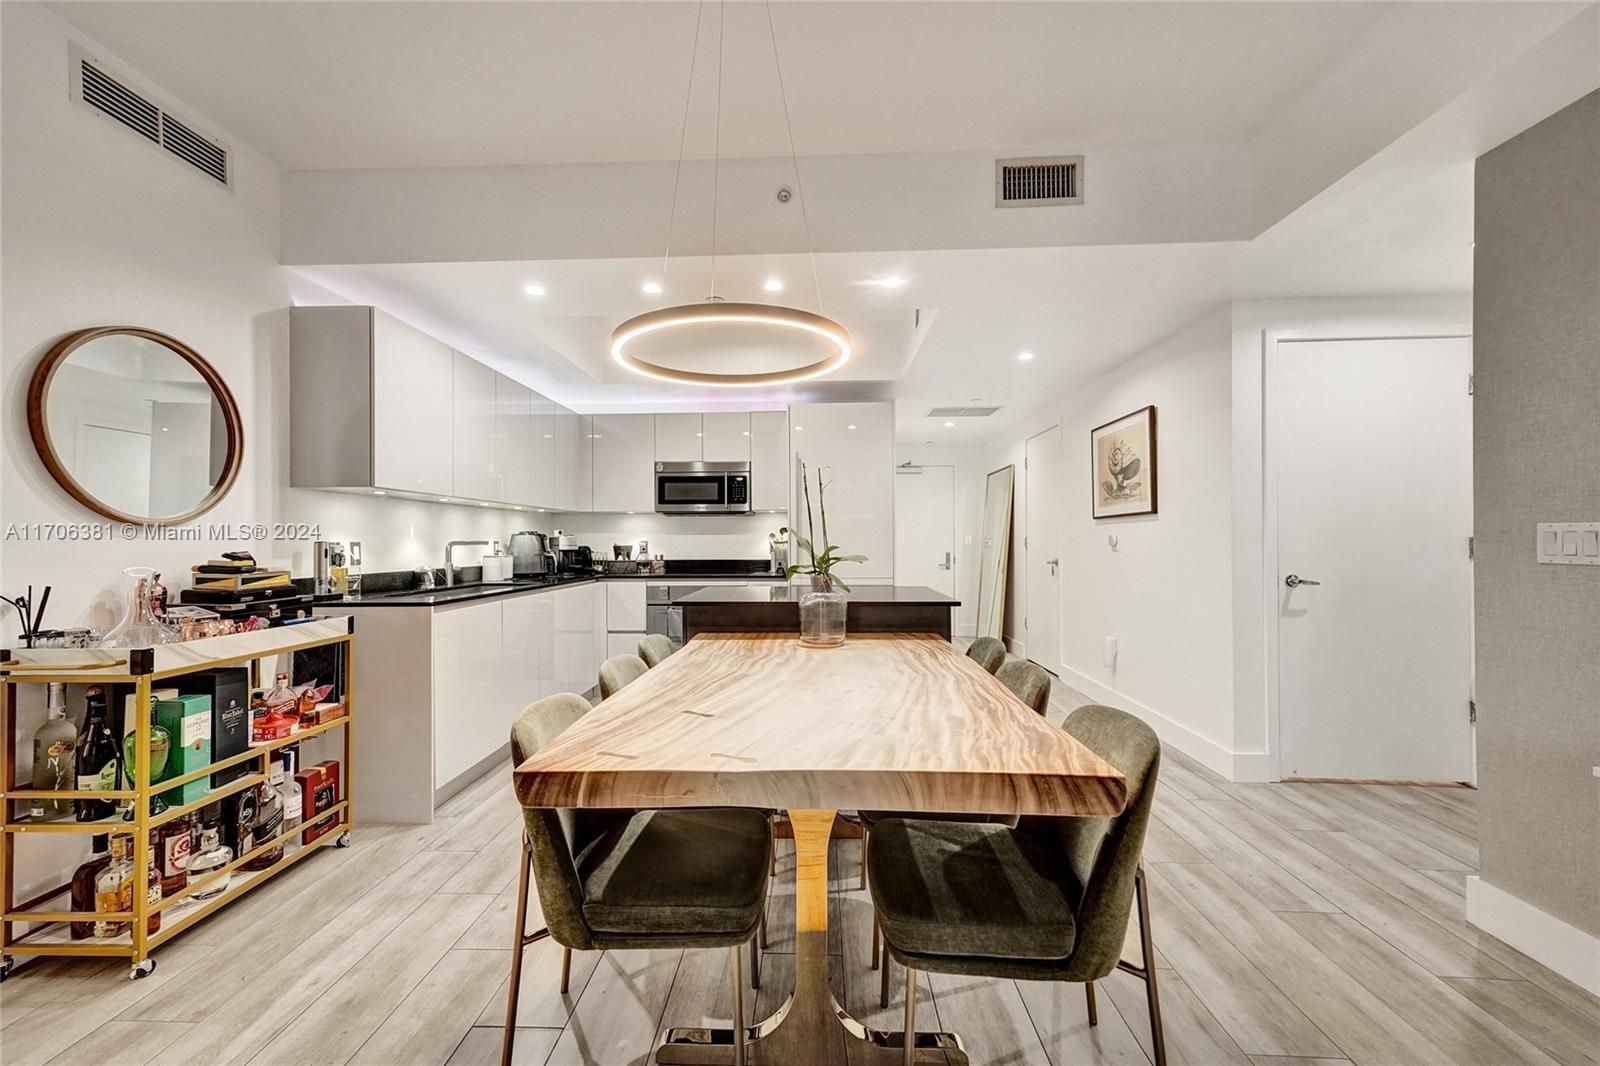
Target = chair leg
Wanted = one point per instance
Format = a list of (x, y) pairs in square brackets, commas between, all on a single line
[(910, 1037), (738, 1011), (755, 964), (1158, 1042), (510, 1035), (566, 968), (883, 993), (865, 832), (762, 929), (877, 939), (1094, 1015)]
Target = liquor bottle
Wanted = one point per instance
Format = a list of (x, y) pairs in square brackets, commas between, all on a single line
[(83, 886), (283, 699), (268, 824), (99, 758), (54, 757), (173, 850), (152, 888), (212, 856), (113, 888), (289, 791)]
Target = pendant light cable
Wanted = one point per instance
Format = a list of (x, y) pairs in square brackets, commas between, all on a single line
[(716, 149), (683, 137), (794, 158)]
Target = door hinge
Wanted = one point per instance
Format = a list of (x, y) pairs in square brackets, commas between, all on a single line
[(1471, 548), (1470, 384), (1024, 541), (1472, 712), (1024, 462)]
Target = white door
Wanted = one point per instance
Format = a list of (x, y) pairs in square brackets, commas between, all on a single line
[(925, 527), (1374, 582), (1041, 555)]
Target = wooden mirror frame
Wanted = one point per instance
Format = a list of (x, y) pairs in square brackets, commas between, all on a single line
[(39, 392)]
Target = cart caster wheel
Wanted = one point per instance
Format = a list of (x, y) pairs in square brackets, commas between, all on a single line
[(7, 964), (343, 841), (142, 969)]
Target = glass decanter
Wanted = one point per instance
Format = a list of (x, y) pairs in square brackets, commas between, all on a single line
[(139, 628)]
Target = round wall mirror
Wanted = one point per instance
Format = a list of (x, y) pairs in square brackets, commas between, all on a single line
[(135, 424)]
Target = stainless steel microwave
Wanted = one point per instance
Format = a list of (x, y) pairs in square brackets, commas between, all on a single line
[(703, 488)]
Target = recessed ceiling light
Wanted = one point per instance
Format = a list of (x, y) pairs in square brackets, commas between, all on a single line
[(1024, 356), (379, 492), (893, 281), (849, 427), (549, 436), (652, 287), (797, 429), (533, 289), (444, 499), (483, 505), (772, 285), (949, 425)]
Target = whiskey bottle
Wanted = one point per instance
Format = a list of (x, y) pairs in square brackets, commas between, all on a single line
[(113, 888), (211, 857), (268, 824), (83, 886), (174, 847), (99, 758), (54, 757), (152, 889)]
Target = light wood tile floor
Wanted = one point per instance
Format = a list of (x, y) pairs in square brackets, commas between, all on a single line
[(1294, 924)]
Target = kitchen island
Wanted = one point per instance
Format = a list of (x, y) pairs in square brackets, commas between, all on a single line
[(776, 609)]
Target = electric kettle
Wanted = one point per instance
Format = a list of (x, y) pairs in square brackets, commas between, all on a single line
[(530, 554)]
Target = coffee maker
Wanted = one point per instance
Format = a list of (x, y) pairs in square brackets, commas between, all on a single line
[(579, 559)]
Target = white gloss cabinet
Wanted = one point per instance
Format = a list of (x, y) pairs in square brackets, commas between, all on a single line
[(679, 438), (769, 460), (563, 469), (542, 439), (473, 410), (470, 685), (583, 469), (855, 442), (625, 606), (513, 434), (624, 462), (726, 437)]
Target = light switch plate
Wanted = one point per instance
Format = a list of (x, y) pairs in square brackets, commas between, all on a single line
[(1568, 543)]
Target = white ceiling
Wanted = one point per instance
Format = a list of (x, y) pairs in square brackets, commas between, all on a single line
[(335, 85)]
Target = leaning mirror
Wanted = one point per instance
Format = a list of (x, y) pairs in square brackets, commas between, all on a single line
[(135, 425), (996, 552)]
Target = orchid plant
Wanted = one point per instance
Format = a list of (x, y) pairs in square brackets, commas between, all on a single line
[(821, 566)]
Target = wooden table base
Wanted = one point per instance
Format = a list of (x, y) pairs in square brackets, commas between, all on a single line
[(811, 1028)]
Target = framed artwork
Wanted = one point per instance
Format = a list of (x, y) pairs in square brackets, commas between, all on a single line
[(1123, 457)]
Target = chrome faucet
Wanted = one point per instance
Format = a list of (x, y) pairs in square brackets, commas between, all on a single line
[(449, 552)]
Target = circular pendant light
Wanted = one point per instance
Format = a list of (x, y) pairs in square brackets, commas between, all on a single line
[(730, 344), (724, 344)]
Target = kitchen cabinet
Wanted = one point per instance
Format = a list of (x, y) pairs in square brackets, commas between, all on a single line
[(369, 403), (622, 644), (564, 461), (624, 462), (470, 706), (855, 442), (625, 610), (576, 665), (473, 412), (583, 469), (513, 433), (726, 437), (678, 438), (769, 460), (543, 452)]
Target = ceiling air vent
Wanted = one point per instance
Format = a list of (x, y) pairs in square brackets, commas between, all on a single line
[(1041, 181), (112, 98), (961, 412)]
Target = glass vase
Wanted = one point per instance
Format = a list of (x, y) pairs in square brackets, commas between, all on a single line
[(139, 628), (822, 614)]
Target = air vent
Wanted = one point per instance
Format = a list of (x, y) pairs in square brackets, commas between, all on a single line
[(115, 100), (1038, 182), (961, 412)]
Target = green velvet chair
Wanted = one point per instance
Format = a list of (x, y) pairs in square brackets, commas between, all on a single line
[(618, 672), (670, 878), (988, 652), (1046, 900), (654, 648), (1031, 685)]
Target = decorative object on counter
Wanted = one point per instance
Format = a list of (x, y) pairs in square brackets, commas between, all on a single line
[(30, 630), (55, 756), (353, 569), (329, 573), (196, 434), (1122, 455), (822, 611), (139, 627), (158, 596), (995, 552)]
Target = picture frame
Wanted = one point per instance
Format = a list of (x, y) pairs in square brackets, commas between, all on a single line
[(1122, 464)]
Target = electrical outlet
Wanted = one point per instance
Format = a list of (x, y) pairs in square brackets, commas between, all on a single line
[(966, 541), (1109, 657)]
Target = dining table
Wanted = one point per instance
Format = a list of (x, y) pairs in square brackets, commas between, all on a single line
[(884, 721)]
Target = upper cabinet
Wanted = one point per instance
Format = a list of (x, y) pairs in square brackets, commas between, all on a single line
[(583, 469), (476, 471), (542, 452), (769, 460), (679, 438), (855, 443), (513, 434), (624, 462), (370, 403), (564, 460), (726, 437)]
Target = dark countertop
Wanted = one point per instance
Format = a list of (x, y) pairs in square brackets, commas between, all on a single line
[(904, 595), (390, 593)]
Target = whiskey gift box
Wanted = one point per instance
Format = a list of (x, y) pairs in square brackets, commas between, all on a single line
[(319, 790), (229, 691), (188, 720)]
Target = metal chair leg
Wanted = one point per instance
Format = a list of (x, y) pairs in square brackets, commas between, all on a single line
[(883, 993), (755, 965), (877, 939), (1094, 1015), (519, 940), (738, 1011), (909, 1039), (865, 832), (1158, 1042), (763, 931), (566, 968)]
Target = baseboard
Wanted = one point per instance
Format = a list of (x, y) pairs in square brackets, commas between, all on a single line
[(1566, 949), (1235, 766)]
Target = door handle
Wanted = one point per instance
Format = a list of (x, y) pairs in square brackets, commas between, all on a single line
[(1052, 564), (1294, 581), (946, 564)]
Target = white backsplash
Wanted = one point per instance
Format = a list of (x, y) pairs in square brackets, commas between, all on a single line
[(674, 536)]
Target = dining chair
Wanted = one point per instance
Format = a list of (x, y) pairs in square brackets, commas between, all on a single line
[(618, 672), (1045, 900), (1031, 685), (625, 879), (654, 648), (989, 652)]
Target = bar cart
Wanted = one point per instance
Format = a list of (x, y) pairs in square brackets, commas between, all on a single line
[(48, 931)]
